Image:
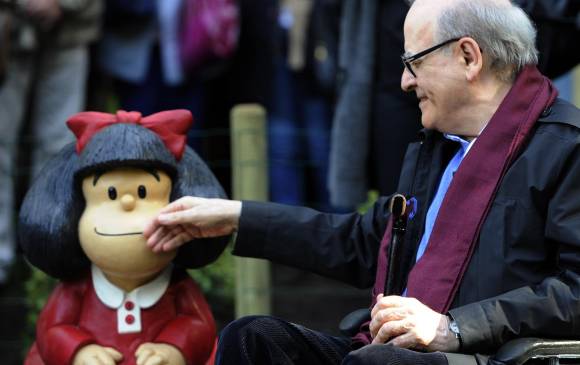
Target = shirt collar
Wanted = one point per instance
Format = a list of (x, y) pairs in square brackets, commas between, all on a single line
[(465, 144), (147, 295)]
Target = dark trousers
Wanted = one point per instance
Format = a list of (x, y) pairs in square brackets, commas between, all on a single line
[(261, 340)]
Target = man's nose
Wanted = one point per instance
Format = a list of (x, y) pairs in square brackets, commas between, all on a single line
[(408, 82), (128, 202)]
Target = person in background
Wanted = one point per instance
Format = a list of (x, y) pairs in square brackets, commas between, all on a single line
[(558, 25), (374, 120), (44, 83), (300, 112), (139, 50), (491, 249)]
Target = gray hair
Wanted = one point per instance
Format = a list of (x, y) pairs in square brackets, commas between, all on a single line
[(505, 34)]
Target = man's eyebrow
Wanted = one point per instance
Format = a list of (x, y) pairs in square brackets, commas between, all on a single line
[(406, 54), (151, 171)]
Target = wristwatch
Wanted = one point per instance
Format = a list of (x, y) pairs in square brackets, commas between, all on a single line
[(454, 328)]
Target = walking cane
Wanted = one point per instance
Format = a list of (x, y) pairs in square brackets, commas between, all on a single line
[(351, 323), (397, 207)]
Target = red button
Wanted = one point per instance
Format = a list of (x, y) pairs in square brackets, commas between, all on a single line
[(129, 305), (130, 319)]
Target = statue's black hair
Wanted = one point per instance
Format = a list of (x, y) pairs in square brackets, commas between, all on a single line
[(50, 213)]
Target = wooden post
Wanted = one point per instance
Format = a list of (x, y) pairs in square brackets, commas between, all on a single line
[(250, 182)]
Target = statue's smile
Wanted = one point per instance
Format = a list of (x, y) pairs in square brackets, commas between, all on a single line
[(116, 234)]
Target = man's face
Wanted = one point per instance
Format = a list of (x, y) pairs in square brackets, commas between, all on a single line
[(118, 205), (438, 84)]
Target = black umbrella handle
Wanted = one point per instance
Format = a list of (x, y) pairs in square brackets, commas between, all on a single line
[(397, 207)]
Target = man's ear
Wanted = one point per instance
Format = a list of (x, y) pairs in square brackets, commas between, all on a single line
[(471, 57)]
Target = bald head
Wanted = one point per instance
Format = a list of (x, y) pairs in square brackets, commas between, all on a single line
[(502, 30), (444, 3), (429, 11)]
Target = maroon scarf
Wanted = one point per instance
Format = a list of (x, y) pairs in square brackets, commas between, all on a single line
[(435, 278)]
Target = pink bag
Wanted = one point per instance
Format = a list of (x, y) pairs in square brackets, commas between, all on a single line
[(209, 31)]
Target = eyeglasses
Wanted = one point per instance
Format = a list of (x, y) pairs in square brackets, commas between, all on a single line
[(407, 60)]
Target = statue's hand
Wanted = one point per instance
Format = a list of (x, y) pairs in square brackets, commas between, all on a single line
[(158, 354), (97, 355)]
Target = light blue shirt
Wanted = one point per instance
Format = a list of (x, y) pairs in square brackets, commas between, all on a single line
[(464, 147), (442, 190), (452, 166)]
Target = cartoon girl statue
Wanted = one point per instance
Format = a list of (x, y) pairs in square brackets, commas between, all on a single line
[(82, 222)]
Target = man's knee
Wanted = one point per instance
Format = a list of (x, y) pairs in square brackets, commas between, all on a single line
[(243, 326), (246, 329), (386, 354), (243, 338), (372, 354), (255, 340), (360, 356)]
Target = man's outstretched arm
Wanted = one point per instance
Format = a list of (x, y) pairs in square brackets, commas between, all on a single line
[(189, 218), (339, 246)]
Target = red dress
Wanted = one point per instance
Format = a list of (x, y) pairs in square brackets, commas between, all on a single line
[(75, 317)]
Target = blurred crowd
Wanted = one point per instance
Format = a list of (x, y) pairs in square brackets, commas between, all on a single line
[(327, 71)]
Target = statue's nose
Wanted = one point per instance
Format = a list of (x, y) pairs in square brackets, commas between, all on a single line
[(128, 202)]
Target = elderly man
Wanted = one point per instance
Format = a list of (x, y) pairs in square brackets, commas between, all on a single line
[(491, 250)]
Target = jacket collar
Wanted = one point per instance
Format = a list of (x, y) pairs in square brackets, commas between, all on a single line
[(561, 112)]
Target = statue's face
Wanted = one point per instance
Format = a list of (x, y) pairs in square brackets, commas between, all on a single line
[(118, 205)]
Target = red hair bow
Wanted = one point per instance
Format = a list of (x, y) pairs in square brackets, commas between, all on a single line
[(171, 126)]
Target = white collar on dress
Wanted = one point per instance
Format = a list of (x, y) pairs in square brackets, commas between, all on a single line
[(146, 295)]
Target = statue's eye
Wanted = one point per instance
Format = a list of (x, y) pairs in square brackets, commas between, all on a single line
[(142, 191), (112, 193)]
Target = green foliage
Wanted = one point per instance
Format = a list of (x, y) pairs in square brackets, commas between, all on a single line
[(217, 279), (372, 197), (37, 288)]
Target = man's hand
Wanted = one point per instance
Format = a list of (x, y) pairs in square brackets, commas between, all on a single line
[(188, 218), (97, 355), (158, 354), (408, 323)]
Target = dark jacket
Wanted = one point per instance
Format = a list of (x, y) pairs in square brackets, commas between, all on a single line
[(524, 276), (558, 26)]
